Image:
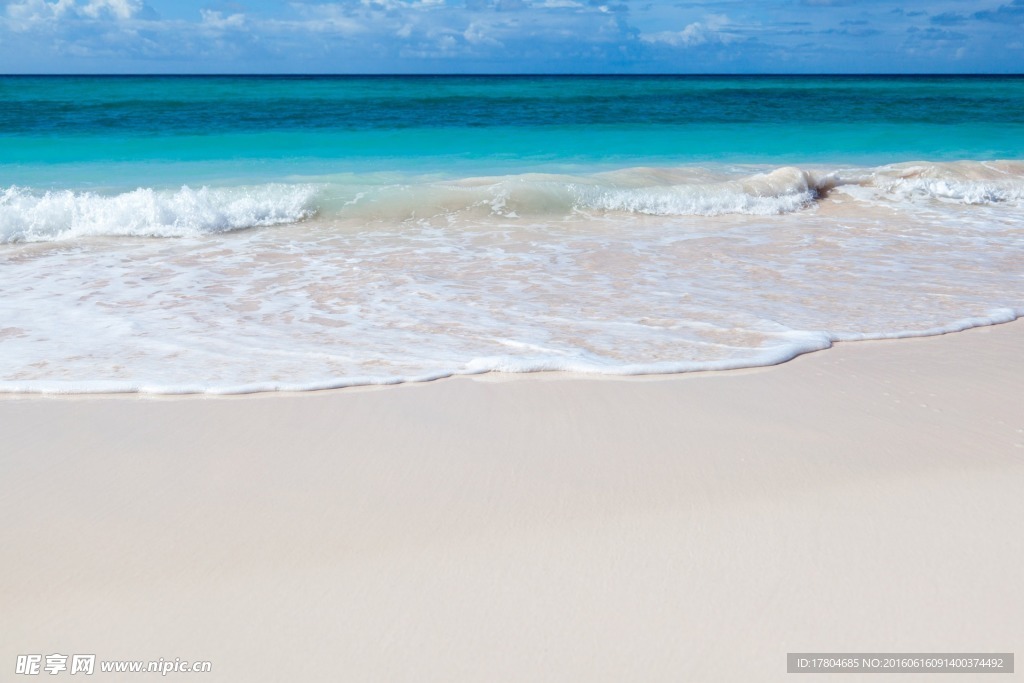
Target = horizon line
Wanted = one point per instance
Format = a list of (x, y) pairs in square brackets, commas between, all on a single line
[(517, 74)]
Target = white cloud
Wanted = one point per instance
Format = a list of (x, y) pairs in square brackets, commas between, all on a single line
[(396, 5), (120, 9), (315, 19), (479, 33), (712, 30), (28, 12), (217, 21), (42, 10), (496, 35)]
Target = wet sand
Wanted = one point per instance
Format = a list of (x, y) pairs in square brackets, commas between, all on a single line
[(529, 528)]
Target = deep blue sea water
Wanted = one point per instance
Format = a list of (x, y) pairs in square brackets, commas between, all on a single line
[(121, 131), (226, 234)]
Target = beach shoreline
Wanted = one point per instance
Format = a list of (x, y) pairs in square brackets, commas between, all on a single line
[(546, 527)]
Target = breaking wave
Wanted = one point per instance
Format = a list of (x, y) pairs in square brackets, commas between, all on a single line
[(965, 182), (27, 215), (814, 256)]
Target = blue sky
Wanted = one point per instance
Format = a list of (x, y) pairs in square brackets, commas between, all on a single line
[(497, 36)]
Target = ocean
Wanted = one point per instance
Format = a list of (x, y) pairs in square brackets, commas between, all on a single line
[(238, 234)]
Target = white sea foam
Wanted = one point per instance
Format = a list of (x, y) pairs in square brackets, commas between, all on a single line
[(28, 216), (964, 182), (682, 192), (626, 272), (780, 191), (636, 191)]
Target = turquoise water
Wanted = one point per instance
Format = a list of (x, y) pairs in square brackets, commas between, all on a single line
[(165, 131), (233, 234)]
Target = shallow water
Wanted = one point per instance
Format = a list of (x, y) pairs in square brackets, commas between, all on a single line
[(160, 264)]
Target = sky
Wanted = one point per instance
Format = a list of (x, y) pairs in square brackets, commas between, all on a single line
[(511, 36)]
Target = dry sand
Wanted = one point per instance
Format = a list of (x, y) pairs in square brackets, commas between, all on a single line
[(544, 528)]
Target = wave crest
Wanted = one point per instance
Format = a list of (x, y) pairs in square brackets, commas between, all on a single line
[(658, 192), (780, 191), (964, 182), (27, 216)]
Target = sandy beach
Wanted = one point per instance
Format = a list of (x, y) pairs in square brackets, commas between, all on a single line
[(529, 528)]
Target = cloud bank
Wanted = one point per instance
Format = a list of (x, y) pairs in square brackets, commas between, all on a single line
[(502, 36)]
